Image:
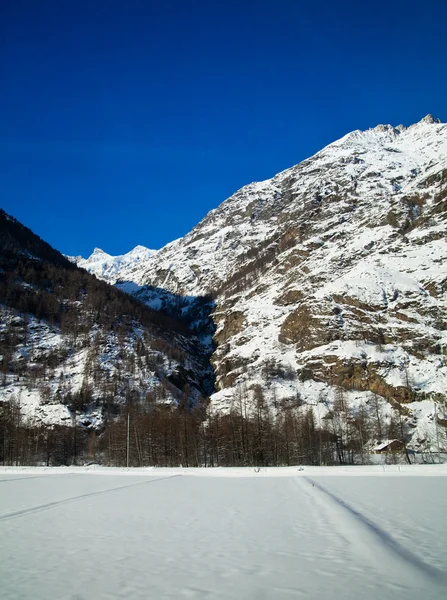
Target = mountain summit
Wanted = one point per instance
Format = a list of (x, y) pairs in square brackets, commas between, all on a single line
[(111, 268)]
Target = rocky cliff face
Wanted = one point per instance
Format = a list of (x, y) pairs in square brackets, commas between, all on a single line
[(329, 278)]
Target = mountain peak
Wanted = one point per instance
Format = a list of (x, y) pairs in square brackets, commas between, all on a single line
[(140, 250), (97, 252), (383, 128), (430, 119)]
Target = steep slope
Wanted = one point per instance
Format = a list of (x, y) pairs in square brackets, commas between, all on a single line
[(329, 281), (74, 349)]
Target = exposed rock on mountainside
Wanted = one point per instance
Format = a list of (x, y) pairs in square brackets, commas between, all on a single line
[(330, 276)]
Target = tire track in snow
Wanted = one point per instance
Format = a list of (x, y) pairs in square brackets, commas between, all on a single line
[(382, 539), (56, 503), (8, 479)]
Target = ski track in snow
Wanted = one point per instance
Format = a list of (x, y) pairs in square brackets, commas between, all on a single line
[(8, 479), (368, 535), (40, 507)]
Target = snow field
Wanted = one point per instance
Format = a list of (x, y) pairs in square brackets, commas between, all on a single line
[(236, 533)]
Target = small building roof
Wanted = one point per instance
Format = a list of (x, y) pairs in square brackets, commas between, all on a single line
[(384, 445)]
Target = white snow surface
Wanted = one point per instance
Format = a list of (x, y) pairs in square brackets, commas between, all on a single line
[(96, 533)]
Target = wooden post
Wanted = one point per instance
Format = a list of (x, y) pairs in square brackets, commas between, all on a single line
[(128, 440)]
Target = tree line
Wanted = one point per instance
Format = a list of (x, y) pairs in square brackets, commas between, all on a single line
[(251, 433)]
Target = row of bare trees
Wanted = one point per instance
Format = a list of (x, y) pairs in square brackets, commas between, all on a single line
[(23, 444), (255, 432), (252, 433)]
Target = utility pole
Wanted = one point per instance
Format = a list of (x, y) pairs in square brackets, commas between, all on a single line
[(437, 434), (128, 440)]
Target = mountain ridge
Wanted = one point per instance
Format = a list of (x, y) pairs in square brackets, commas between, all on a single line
[(108, 267)]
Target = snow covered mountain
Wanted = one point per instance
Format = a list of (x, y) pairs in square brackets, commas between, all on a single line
[(74, 350), (329, 280), (311, 308), (110, 268)]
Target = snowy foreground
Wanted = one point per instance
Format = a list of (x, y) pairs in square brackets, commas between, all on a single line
[(365, 533)]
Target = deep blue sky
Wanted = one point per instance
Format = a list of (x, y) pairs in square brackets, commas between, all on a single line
[(123, 122)]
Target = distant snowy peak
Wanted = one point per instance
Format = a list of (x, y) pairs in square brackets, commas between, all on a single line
[(99, 254), (430, 119), (381, 135), (140, 253), (427, 120), (113, 268)]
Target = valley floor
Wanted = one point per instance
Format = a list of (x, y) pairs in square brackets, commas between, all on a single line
[(96, 533)]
